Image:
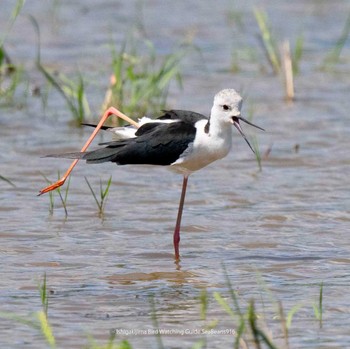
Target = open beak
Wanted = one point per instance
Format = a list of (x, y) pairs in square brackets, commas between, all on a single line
[(235, 122)]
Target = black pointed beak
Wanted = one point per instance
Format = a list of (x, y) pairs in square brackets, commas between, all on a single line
[(235, 121)]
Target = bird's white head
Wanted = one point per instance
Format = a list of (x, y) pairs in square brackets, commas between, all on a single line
[(227, 110), (227, 105)]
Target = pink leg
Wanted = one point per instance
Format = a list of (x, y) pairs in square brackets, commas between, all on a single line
[(110, 111), (178, 221)]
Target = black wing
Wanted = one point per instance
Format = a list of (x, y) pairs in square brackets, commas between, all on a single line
[(155, 144)]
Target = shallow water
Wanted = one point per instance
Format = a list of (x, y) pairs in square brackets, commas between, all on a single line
[(284, 229)]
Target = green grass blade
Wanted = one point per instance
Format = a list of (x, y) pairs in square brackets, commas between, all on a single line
[(93, 194), (63, 203), (239, 334), (124, 344), (258, 335), (59, 191), (7, 181), (46, 329), (203, 304), (223, 303), (67, 191), (257, 153), (51, 198), (267, 39), (253, 325), (267, 340), (297, 54), (72, 93), (105, 192), (15, 12), (20, 320), (291, 314), (155, 323), (44, 295), (232, 292), (80, 100), (318, 308), (50, 78), (334, 55), (17, 9), (199, 345)]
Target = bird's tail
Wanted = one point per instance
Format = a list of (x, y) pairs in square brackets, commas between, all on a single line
[(75, 155), (92, 157)]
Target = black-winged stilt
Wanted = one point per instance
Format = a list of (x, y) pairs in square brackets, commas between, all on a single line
[(183, 140)]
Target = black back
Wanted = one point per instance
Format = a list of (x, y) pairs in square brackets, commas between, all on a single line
[(183, 115)]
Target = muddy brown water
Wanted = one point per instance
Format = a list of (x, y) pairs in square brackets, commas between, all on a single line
[(280, 232)]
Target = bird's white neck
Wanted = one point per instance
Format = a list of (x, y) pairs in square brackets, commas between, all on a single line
[(219, 129), (210, 144)]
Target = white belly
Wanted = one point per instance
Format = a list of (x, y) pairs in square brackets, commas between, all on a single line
[(206, 148)]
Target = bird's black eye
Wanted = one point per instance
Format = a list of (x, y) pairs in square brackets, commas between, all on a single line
[(226, 107)]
